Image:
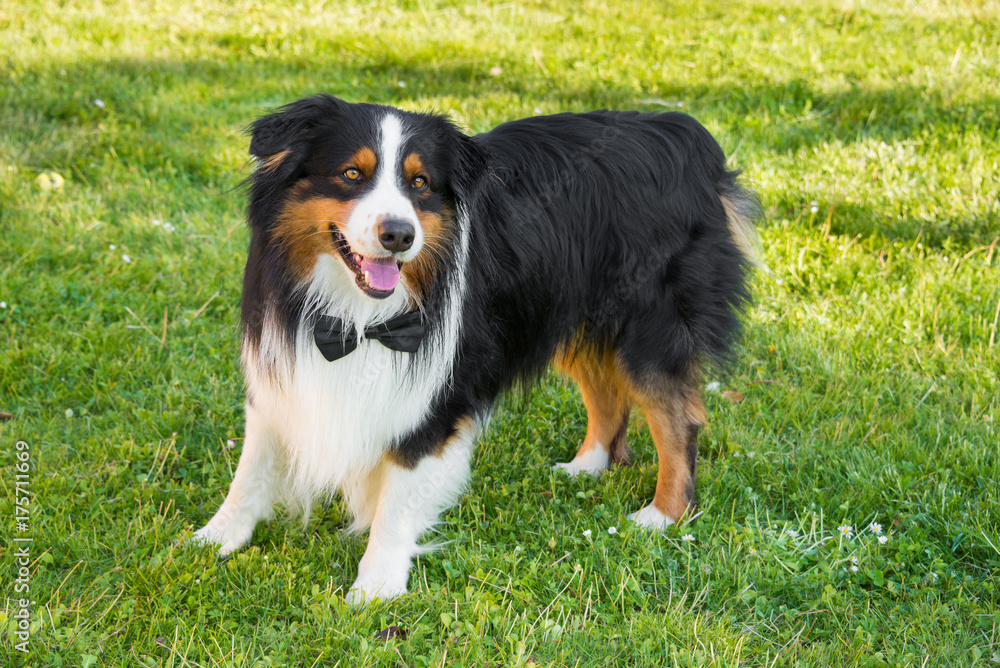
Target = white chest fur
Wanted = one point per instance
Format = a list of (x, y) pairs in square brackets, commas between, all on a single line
[(332, 422)]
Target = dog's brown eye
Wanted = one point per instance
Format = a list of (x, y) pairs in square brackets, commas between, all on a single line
[(419, 182), (352, 173)]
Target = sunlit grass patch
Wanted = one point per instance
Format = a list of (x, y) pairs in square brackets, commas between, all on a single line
[(865, 393)]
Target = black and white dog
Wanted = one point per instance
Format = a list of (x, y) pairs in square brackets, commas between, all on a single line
[(402, 275)]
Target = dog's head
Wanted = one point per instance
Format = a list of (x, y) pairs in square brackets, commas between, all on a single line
[(373, 187)]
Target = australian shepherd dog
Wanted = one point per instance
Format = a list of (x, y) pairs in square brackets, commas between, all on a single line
[(402, 275)]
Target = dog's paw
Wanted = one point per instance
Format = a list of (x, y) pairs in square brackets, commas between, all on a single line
[(227, 541), (595, 461), (362, 593), (651, 518), (382, 574)]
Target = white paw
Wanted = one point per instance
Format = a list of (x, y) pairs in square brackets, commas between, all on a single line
[(227, 539), (651, 518), (595, 461), (362, 593), (382, 573)]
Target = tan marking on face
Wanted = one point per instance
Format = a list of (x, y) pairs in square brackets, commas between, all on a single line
[(303, 229), (271, 162), (412, 166), (419, 272), (365, 160)]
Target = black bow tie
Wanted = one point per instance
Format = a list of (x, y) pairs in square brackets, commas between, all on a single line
[(334, 340)]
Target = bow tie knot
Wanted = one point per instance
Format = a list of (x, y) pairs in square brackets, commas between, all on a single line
[(335, 339)]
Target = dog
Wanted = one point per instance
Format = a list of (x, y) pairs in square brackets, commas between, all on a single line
[(401, 275)]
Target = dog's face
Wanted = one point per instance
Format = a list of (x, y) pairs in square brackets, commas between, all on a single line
[(373, 187)]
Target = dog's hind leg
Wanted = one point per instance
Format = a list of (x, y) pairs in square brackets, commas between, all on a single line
[(254, 491), (408, 500), (608, 408), (675, 413)]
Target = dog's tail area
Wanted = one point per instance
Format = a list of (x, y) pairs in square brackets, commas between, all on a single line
[(743, 210)]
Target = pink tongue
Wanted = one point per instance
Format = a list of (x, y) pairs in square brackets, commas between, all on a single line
[(382, 272)]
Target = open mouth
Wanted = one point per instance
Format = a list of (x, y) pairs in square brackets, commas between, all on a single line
[(376, 276)]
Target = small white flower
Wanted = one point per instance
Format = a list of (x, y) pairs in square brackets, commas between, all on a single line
[(612, 530), (875, 527), (401, 84), (230, 443), (714, 386), (3, 304), (265, 557), (169, 227), (793, 533), (496, 71), (779, 281), (814, 209), (782, 18), (846, 530), (813, 203), (854, 568), (157, 222), (126, 259), (99, 103), (112, 247), (586, 533), (688, 537), (69, 412), (538, 110), (753, 550), (883, 539)]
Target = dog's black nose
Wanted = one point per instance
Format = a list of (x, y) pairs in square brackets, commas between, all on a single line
[(395, 235)]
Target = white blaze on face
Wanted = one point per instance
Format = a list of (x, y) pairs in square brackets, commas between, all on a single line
[(387, 199)]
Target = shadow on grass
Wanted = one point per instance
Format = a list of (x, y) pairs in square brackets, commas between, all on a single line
[(849, 219), (184, 117)]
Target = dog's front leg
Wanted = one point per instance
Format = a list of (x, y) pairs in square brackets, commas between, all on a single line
[(409, 500), (254, 491)]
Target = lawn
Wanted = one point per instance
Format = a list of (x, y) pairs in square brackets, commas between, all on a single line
[(849, 477)]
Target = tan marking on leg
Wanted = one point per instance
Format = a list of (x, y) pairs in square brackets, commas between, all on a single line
[(463, 427), (606, 398), (675, 413)]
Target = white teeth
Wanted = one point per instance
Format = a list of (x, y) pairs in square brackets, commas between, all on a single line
[(357, 258), (368, 279)]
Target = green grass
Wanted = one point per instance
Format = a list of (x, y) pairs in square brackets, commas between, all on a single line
[(870, 374)]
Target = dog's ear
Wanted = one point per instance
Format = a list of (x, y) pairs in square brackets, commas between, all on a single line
[(467, 160), (284, 132)]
